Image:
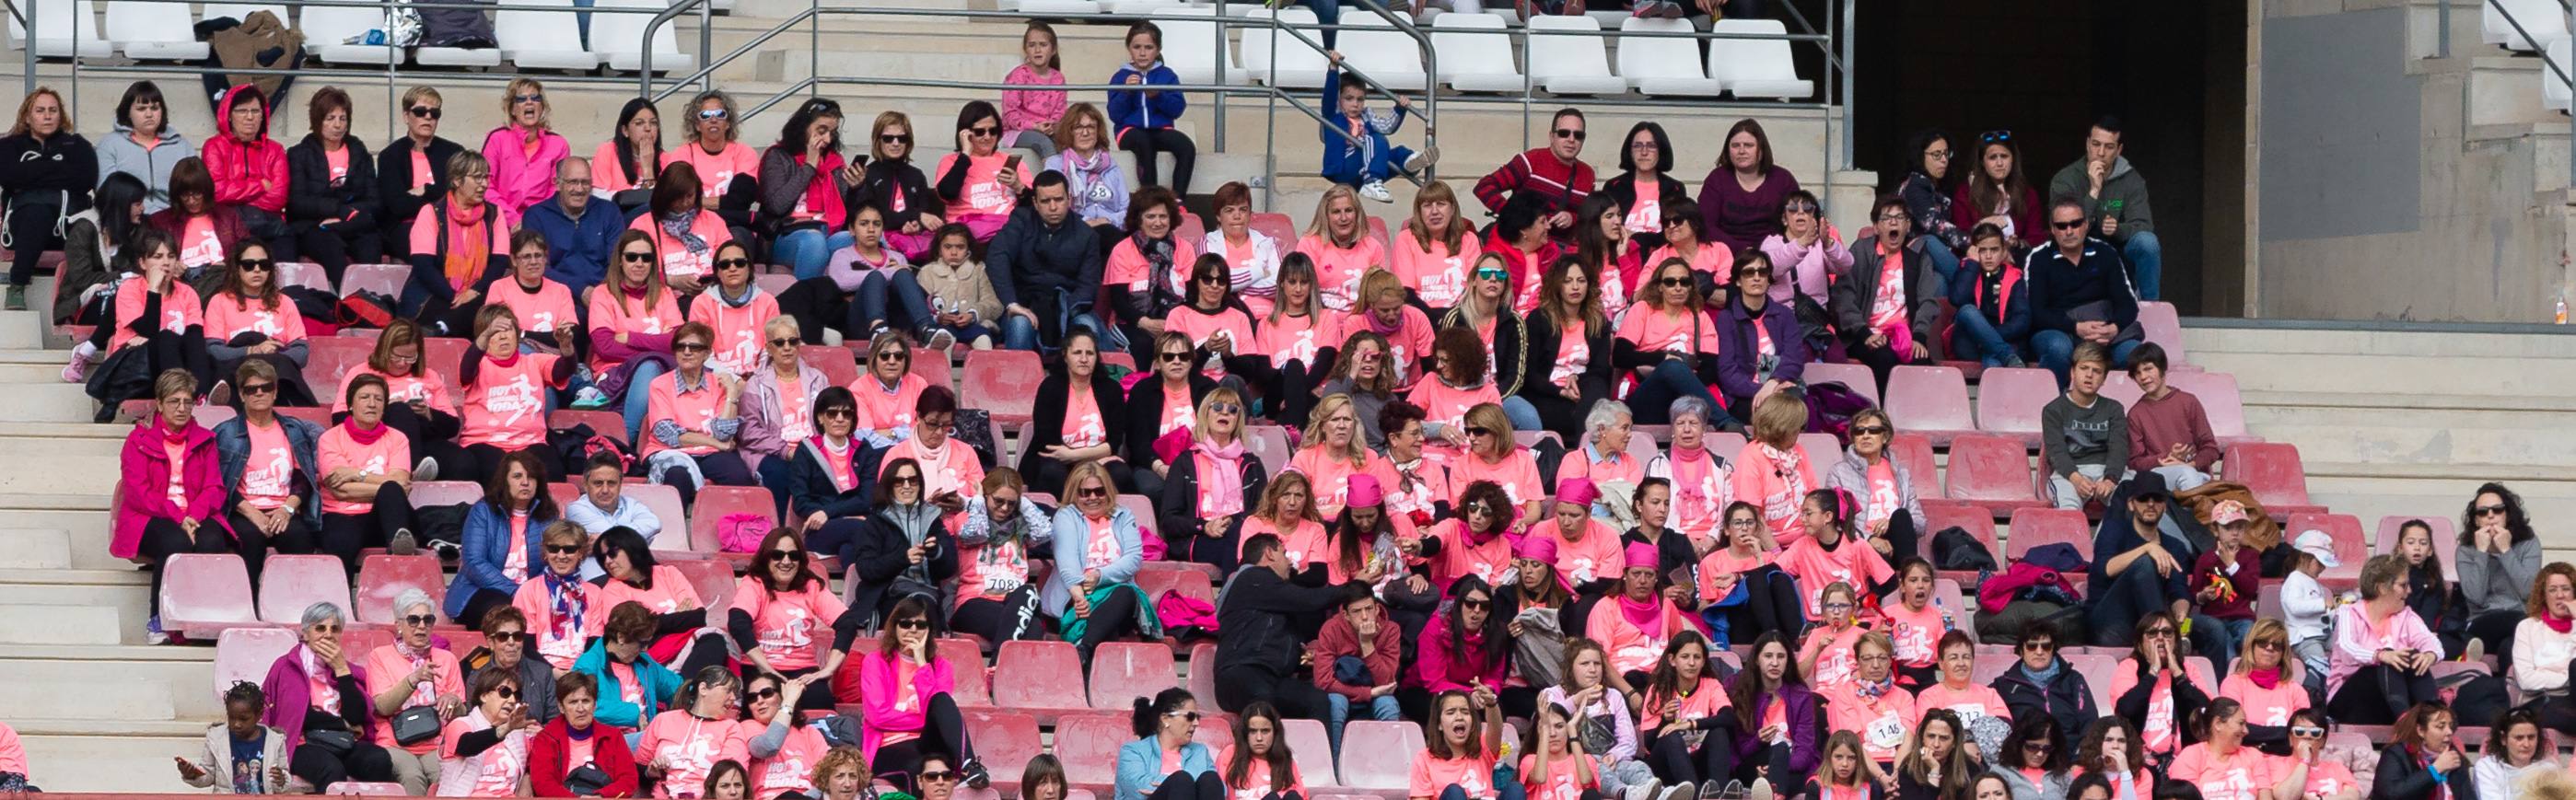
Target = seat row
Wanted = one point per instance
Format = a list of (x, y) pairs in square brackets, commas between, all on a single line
[(528, 38)]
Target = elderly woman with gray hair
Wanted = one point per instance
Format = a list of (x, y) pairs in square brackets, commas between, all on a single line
[(413, 672), (1603, 457), (1702, 479), (1889, 512), (316, 700)]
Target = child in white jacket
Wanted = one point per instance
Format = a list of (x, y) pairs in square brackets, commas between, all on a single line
[(2305, 606), (242, 755)]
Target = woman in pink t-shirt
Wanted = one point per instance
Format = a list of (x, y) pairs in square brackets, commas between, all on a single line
[(1334, 451), (2225, 767), (544, 307), (419, 401), (1163, 404), (1601, 241), (1436, 249), (683, 636), (1602, 456), (2307, 767), (1455, 383), (555, 602), (729, 172), (787, 610), (632, 315), (1569, 350), (161, 312), (457, 240), (624, 166), (684, 235), (1216, 323), (505, 396), (2272, 685), (1465, 738), (170, 481), (2157, 688), (1833, 553), (1492, 455), (1257, 764), (1712, 265), (1339, 242), (1486, 309), (1774, 471), (1958, 690), (250, 319), (1380, 309), (690, 421), (1683, 703), (1298, 337), (366, 468), (485, 752), (784, 747), (980, 183), (778, 410), (1077, 420), (1668, 341), (735, 309), (1744, 556), (682, 746), (412, 672)]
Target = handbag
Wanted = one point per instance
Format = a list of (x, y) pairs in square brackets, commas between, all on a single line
[(337, 743), (416, 724), (586, 780), (1599, 733)]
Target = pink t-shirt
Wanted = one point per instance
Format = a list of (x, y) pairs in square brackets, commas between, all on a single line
[(1447, 405), (695, 410), (540, 311), (268, 477), (1432, 270), (1177, 411), (984, 193), (506, 406), (1127, 267), (386, 667), (1833, 651), (1292, 338), (1331, 476), (1655, 331), (1517, 473), (671, 592), (180, 309), (1883, 722), (559, 641), (1917, 632), (1593, 557), (678, 261), (1083, 424), (1573, 356), (1712, 259), (423, 384), (1471, 774), (1707, 697), (629, 316), (1338, 269), (1702, 489), (1461, 556), (1202, 327), (1562, 783), (338, 449), (739, 339), (1305, 543), (1969, 703), (950, 468), (1852, 562), (2268, 707), (882, 409), (1411, 342), (791, 769), (1257, 777), (199, 245), (716, 170), (2239, 776), (425, 227), (690, 747), (495, 772), (2157, 733), (228, 316), (788, 624)]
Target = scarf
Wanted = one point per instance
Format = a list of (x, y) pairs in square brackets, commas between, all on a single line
[(1784, 464), (2557, 623), (1381, 328), (1872, 690), (823, 194), (748, 291), (426, 691), (1220, 477), (1090, 176), (465, 264), (2441, 790), (676, 225), (363, 436), (563, 597), (1158, 265), (2265, 678), (1647, 614), (171, 435), (2044, 677)]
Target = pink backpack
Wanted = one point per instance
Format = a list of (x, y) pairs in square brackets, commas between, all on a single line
[(741, 533)]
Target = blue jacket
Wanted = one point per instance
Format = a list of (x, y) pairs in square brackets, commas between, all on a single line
[(1131, 109), (486, 548), (2013, 321), (1140, 764), (2058, 285), (1341, 157), (232, 444), (1073, 540), (577, 251), (660, 683)]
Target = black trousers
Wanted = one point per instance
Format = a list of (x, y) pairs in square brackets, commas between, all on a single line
[(1051, 474), (31, 235), (2378, 694), (1293, 694), (1771, 604), (163, 538), (1183, 786), (819, 303), (818, 695), (943, 730), (365, 762), (1880, 360), (482, 461), (1110, 619), (483, 601), (722, 468), (1146, 143), (1016, 616), (344, 535), (1674, 761), (2496, 629), (253, 544), (342, 243)]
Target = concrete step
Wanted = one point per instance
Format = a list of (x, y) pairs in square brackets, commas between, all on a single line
[(35, 549), (93, 671), (24, 622), (47, 402), (2414, 429), (111, 693), (95, 756)]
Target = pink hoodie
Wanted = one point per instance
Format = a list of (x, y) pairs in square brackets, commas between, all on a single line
[(520, 178), (891, 710), (1439, 669), (2357, 641), (145, 487)]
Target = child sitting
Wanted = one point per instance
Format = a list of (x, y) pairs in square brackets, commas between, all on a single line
[(1368, 163), (961, 296), (1993, 323), (242, 755)]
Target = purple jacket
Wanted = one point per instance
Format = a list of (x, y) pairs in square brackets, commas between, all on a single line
[(290, 695), (144, 489), (1806, 743), (1738, 356), (759, 437)]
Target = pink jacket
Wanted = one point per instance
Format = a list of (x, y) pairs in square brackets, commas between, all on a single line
[(519, 178), (145, 488), (1025, 109), (2357, 642), (878, 685), (1439, 669)]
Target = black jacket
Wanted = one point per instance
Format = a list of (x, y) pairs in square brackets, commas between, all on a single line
[(1145, 414), (2068, 698), (1624, 189), (883, 181), (1260, 616), (1049, 419), (2402, 776), (880, 559), (1176, 510), (1854, 295), (1030, 257), (395, 202), (2058, 286), (1509, 333), (809, 482), (310, 197), (46, 171), (1539, 358), (2187, 696)]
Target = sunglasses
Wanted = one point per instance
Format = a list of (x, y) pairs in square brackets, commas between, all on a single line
[(1474, 603), (1870, 430), (981, 131), (562, 549), (505, 636), (2160, 631), (1991, 137), (1176, 357), (1480, 431), (1674, 283), (507, 693), (2266, 644), (764, 693), (258, 388), (912, 624), (1569, 133), (1799, 208), (2066, 225), (528, 98), (1217, 278), (2490, 509), (944, 776), (426, 112), (781, 342), (2308, 731), (1225, 408), (712, 113), (2039, 647), (688, 347), (1094, 492), (906, 480), (893, 355), (894, 138), (257, 265), (733, 263), (787, 555), (1192, 716), (420, 620), (833, 413), (636, 258), (1492, 274)]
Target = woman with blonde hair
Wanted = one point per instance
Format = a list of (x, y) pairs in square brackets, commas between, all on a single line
[(523, 151), (632, 317), (411, 172), (2270, 683), (1494, 456), (1204, 492), (1381, 309), (1338, 240), (1773, 471), (1437, 249), (1334, 451), (1098, 548)]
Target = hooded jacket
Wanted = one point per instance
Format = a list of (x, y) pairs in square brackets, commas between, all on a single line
[(658, 684), (147, 469), (1856, 294), (1261, 614), (2124, 195), (252, 174), (60, 169), (314, 200), (1130, 108), (118, 153), (2068, 698)]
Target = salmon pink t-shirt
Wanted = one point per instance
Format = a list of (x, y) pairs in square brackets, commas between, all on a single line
[(559, 642), (1517, 473), (1724, 561), (883, 409), (678, 261), (1596, 556), (1655, 331), (1833, 653), (1471, 774), (1573, 356), (2157, 732), (1447, 405), (1201, 327), (386, 667), (1712, 259), (1083, 424), (2239, 776), (1851, 562), (199, 246), (786, 624), (695, 410), (1331, 476), (716, 170), (1257, 777), (614, 314), (1297, 338), (1969, 703), (338, 449), (1883, 722), (1127, 267), (984, 192), (1562, 783), (1917, 632), (1460, 556), (1338, 269), (1432, 270), (1706, 699), (671, 592), (540, 311), (950, 468), (506, 406), (738, 341), (1411, 342), (2267, 707), (495, 772), (1305, 542), (1612, 467), (791, 769), (1177, 410), (228, 316), (423, 384), (180, 309), (268, 477), (691, 747)]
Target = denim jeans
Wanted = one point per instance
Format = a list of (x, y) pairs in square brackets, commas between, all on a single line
[(1670, 381), (1327, 12), (1524, 416), (2056, 351), (638, 390), (1943, 261), (1382, 708), (806, 250), (2146, 258), (2182, 477), (903, 286), (1971, 336), (1018, 333)]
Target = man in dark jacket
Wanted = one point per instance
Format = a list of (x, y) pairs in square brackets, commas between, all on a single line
[(2140, 567), (2043, 683), (1045, 267), (1258, 646), (401, 190), (579, 239), (2079, 290)]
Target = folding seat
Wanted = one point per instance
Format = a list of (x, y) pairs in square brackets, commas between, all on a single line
[(1004, 383), (1824, 448), (202, 594), (1724, 443), (242, 11), (1856, 377), (533, 39), (712, 579), (1389, 58), (1157, 582), (1661, 65), (1143, 509), (664, 502), (1991, 666), (1118, 358), (1270, 443), (444, 493), (1124, 671), (1915, 454), (2009, 401), (1193, 51), (1005, 741), (840, 365), (1314, 750), (1948, 594), (1931, 402), (290, 583), (2351, 546), (245, 654), (715, 503), (2163, 326), (328, 360), (366, 789), (1475, 54), (1571, 62), (2542, 23), (932, 365), (1993, 472), (966, 660), (619, 38), (2275, 474), (1043, 678), (1276, 226), (150, 32), (2032, 527), (384, 279), (2445, 530), (381, 578), (1203, 678), (1943, 515), (1087, 743), (604, 423), (64, 29), (330, 30), (1753, 68), (2118, 386), (2221, 400), (1378, 755)]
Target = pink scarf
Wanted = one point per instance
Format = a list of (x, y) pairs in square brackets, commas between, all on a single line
[(2267, 679), (1784, 463), (1220, 477), (1647, 614), (426, 691)]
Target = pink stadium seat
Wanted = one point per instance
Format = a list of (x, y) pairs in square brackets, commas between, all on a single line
[(1941, 515), (2273, 471), (1216, 730), (383, 278), (1377, 230), (1143, 509), (1722, 443), (1930, 401), (289, 583), (381, 578), (2351, 546), (1277, 226), (1379, 755), (244, 654), (2446, 532), (1124, 671), (932, 365), (1005, 741), (2221, 400), (664, 502), (2009, 400), (717, 502), (1270, 442), (1946, 593), (773, 282), (1043, 678), (1118, 358), (1993, 472), (1991, 666), (317, 415), (2032, 527), (2118, 386), (1088, 745), (1193, 229), (2164, 327), (966, 659), (328, 360), (1915, 454), (711, 578), (204, 593), (1203, 673), (604, 423), (365, 789), (1189, 583), (1004, 382), (1856, 376), (840, 365), (443, 353), (2092, 664), (305, 274), (1312, 749), (1823, 448), (444, 493)]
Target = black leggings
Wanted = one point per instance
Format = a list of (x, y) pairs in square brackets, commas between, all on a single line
[(1017, 616), (1880, 360), (2558, 712), (366, 762), (1147, 143), (818, 695), (1675, 762), (253, 544), (1771, 604), (1181, 786), (1110, 619), (344, 535), (163, 538), (2378, 694), (943, 730), (31, 235), (1222, 552), (818, 304), (1289, 391), (346, 241)]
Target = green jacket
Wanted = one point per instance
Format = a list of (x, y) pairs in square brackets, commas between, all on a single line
[(2124, 195)]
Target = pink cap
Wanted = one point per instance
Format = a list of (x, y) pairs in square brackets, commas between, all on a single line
[(1537, 546), (2227, 512), (1641, 554), (1364, 491), (1579, 491)]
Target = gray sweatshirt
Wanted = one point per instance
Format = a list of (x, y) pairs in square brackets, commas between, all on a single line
[(2074, 435), (2498, 582), (118, 152)]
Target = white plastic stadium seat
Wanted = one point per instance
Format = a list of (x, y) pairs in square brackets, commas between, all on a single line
[(459, 56), (543, 39), (2544, 20), (1372, 44), (150, 31), (1756, 67), (1139, 7), (1475, 55), (242, 11), (1042, 7), (328, 30), (616, 37), (1299, 66), (1571, 63), (64, 28), (1663, 66), (1190, 46), (2553, 89)]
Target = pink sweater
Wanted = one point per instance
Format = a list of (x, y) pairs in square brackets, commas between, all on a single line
[(521, 178), (2358, 641), (1026, 109), (890, 709)]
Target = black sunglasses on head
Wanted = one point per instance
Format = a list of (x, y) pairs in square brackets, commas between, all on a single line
[(1991, 137)]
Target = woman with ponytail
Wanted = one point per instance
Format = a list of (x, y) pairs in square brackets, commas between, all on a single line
[(1165, 726), (2221, 764), (1832, 551)]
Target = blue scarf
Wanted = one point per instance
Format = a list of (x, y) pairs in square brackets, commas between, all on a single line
[(2044, 677)]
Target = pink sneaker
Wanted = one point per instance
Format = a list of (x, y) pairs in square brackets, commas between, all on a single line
[(76, 371)]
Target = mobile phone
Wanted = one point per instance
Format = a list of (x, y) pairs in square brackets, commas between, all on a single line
[(1012, 163)]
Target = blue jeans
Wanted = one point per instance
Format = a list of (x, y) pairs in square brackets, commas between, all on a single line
[(1670, 381), (2230, 634), (1328, 12), (1524, 416), (1018, 333), (774, 477), (1943, 261), (1971, 336), (2056, 351), (638, 390), (807, 249), (902, 286), (1504, 790), (1382, 708), (2146, 258)]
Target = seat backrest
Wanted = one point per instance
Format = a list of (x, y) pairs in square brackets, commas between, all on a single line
[(2009, 398), (1124, 671), (2163, 326), (289, 583), (1088, 745), (325, 26), (1929, 398), (1312, 749), (1038, 674), (1373, 45), (1157, 581), (1472, 44), (715, 503), (1990, 666), (2219, 398), (1823, 451), (2350, 545), (2118, 386), (623, 33), (1004, 741), (442, 493), (242, 11), (1855, 376), (381, 578), (207, 587), (966, 660), (1004, 382), (1143, 509), (1379, 755), (932, 366), (2032, 527), (1275, 226), (1270, 443), (1947, 594), (1914, 453), (1190, 44), (328, 360), (1662, 57), (244, 654), (711, 578), (1202, 680), (131, 21), (840, 365), (50, 16), (2272, 470), (385, 279), (1569, 53), (664, 502), (1261, 45), (1750, 59), (1975, 520), (366, 789), (2444, 529), (1990, 468), (535, 38), (602, 423)]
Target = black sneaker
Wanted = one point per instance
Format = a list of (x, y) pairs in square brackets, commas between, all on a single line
[(975, 775)]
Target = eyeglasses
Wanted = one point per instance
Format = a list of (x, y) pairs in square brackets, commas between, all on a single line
[(1643, 144), (1870, 430), (633, 257), (2308, 731), (562, 549), (1748, 524), (425, 112), (258, 388), (733, 263), (2266, 644), (505, 636), (528, 98), (1175, 358), (1569, 133), (1937, 155), (1480, 431), (2160, 630), (1892, 218), (894, 138), (1991, 137), (1093, 492), (257, 265), (1225, 408), (1800, 207), (1674, 283), (2495, 509), (688, 347), (944, 776), (2066, 225), (912, 623), (420, 620), (781, 342), (713, 113), (981, 131)]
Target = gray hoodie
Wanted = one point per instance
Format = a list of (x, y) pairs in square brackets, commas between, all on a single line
[(119, 153), (2124, 194)]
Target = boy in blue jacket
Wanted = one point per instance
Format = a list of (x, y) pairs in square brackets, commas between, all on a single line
[(1143, 118), (1993, 323), (1370, 162)]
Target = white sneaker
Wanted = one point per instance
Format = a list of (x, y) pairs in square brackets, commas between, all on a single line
[(1682, 791), (1642, 791), (1761, 789), (1376, 190), (983, 343), (1422, 159), (589, 397), (2477, 651), (831, 337), (937, 339), (426, 470)]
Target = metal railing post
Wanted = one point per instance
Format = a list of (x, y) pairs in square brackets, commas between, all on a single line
[(1849, 74), (2442, 29), (1221, 77)]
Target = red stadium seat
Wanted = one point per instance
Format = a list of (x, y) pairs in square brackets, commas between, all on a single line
[(1915, 453), (363, 788), (202, 594), (2351, 546), (1004, 382), (1377, 230), (715, 503), (1379, 755), (1005, 741), (328, 360), (1723, 443), (2164, 327), (772, 283), (1124, 671), (1119, 358), (289, 583), (1270, 442), (1043, 678), (966, 660), (1277, 226), (1993, 472), (1193, 229), (604, 423), (1942, 515), (443, 353), (1824, 450), (1088, 745), (1930, 401), (2221, 400), (445, 493), (385, 279), (1991, 666), (317, 415), (840, 365), (2032, 527), (2092, 664), (245, 654), (381, 578), (1856, 376), (2445, 531), (1948, 594), (2273, 471), (664, 502), (2009, 401), (1157, 581), (2117, 386), (1143, 509), (711, 578), (932, 365), (1203, 673)]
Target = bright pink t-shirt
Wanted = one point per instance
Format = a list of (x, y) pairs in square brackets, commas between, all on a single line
[(695, 410), (540, 311), (739, 339), (337, 449), (716, 170), (268, 476), (787, 624), (1517, 473), (1814, 567), (1969, 703), (1201, 326), (227, 316), (2268, 707), (984, 193), (1338, 269), (1471, 774), (2239, 776), (1917, 632), (882, 409), (691, 747), (1331, 476), (791, 769), (506, 406), (1294, 338), (180, 309), (671, 592), (1563, 783), (1432, 270), (199, 246), (615, 315)]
